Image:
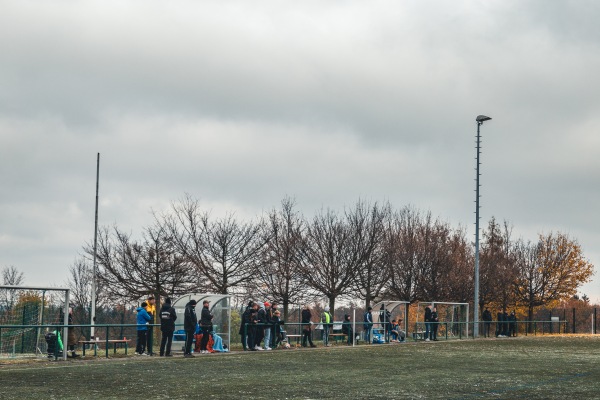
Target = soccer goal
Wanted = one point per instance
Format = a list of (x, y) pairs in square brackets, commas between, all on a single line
[(27, 314), (453, 318)]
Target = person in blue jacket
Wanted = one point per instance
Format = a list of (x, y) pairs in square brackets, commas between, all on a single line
[(143, 319)]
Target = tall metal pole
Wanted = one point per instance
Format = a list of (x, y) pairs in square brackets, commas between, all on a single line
[(94, 270), (480, 119), (476, 301)]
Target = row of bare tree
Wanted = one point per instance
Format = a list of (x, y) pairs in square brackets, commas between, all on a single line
[(367, 252)]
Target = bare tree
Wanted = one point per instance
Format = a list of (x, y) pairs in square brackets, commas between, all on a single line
[(11, 276), (498, 269), (402, 253), (279, 276), (367, 231), (224, 252), (131, 269), (330, 256)]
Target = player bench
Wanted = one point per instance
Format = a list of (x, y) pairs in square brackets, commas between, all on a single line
[(418, 335), (337, 335), (95, 343)]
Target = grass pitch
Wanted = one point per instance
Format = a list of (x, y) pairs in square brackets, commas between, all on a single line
[(556, 367)]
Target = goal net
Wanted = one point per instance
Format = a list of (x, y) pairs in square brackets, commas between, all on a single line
[(26, 315)]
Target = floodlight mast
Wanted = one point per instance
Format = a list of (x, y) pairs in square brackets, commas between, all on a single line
[(94, 268), (480, 120)]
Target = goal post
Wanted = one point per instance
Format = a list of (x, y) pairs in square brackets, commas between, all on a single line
[(25, 311)]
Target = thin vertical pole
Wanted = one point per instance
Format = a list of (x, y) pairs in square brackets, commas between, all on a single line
[(476, 300), (94, 270), (353, 327), (595, 320)]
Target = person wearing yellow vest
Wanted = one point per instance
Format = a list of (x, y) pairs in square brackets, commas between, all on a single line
[(327, 322), (151, 310)]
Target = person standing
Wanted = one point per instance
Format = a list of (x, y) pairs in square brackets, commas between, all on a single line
[(244, 325), (268, 328), (487, 322), (512, 324), (189, 326), (143, 319), (434, 324), (427, 323), (326, 323), (253, 329), (261, 316), (306, 327), (167, 327), (275, 328), (500, 323), (206, 318), (71, 337), (368, 324), (151, 310)]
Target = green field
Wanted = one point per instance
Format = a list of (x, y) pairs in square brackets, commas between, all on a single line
[(551, 367)]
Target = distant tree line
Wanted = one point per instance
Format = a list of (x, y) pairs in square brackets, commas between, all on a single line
[(366, 252)]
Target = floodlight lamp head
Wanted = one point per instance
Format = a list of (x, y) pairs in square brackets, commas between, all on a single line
[(481, 118)]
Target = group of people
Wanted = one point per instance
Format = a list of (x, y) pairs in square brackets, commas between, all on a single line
[(431, 323), (145, 316), (168, 316), (390, 326), (506, 324), (261, 323), (261, 327)]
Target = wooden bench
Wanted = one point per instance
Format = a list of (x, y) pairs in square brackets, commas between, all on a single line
[(337, 335), (418, 335), (95, 343)]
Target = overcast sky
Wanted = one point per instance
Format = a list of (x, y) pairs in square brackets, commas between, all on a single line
[(241, 103)]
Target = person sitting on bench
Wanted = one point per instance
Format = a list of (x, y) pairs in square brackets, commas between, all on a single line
[(398, 335)]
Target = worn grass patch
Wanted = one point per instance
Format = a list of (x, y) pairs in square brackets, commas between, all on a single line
[(545, 368)]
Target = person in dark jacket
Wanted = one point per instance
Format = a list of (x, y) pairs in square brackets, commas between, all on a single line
[(368, 324), (244, 327), (487, 322), (306, 327), (71, 337), (427, 323), (500, 323), (275, 327), (347, 329), (269, 327), (167, 327), (512, 324), (385, 317), (434, 324), (276, 321), (206, 318), (189, 326), (143, 319), (252, 330), (261, 318), (505, 325)]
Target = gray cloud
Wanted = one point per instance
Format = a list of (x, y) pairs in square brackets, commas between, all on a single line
[(242, 105)]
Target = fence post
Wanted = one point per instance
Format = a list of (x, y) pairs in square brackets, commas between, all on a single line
[(106, 346), (595, 320)]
